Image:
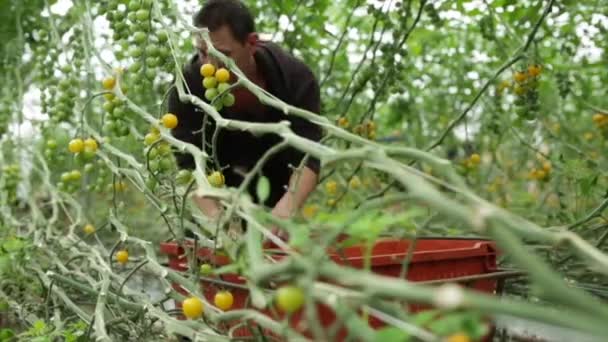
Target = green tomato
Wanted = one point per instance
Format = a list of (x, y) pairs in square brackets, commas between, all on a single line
[(109, 126), (209, 82), (108, 106), (166, 164), (289, 298), (151, 138), (119, 113), (52, 144), (222, 87), (154, 165), (75, 175), (80, 159), (142, 15), (153, 153), (183, 177), (206, 270), (153, 51), (132, 17), (162, 36), (139, 37), (134, 5), (152, 62), (211, 93), (150, 73), (151, 183), (164, 148), (65, 177), (65, 84), (135, 67), (88, 154), (124, 130), (135, 52), (228, 100)]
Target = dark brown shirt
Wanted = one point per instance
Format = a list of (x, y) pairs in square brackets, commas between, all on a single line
[(288, 79)]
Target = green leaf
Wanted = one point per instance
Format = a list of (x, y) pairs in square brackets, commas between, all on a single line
[(5, 264), (6, 334), (392, 334), (13, 245), (38, 328), (263, 189), (425, 317)]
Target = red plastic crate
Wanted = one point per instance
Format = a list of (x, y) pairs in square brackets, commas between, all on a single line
[(432, 260)]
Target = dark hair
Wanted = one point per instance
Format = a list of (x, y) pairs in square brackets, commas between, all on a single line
[(217, 13)]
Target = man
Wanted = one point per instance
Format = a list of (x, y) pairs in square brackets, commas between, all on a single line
[(233, 33)]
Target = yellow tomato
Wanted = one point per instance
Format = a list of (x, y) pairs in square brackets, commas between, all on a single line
[(76, 145), (597, 117), (122, 256), (108, 83), (169, 120), (310, 211), (519, 77), (223, 300), (192, 308), (343, 122), (89, 229), (207, 70), (459, 337), (371, 126), (331, 187), (475, 159), (534, 70), (91, 145), (222, 75), (355, 182), (541, 174)]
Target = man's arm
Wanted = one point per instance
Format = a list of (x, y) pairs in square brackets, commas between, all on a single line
[(301, 186), (306, 95)]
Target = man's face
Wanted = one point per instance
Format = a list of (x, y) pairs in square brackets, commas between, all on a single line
[(225, 42)]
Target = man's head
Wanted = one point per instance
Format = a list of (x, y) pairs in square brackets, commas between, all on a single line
[(231, 29)]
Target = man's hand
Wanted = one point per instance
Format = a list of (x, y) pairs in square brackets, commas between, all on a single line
[(294, 198), (209, 206)]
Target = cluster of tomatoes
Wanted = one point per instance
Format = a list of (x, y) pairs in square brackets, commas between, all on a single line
[(525, 87), (332, 189), (62, 95), (84, 151), (526, 90), (158, 152), (472, 161), (366, 129), (217, 88), (59, 84), (542, 172), (116, 123), (288, 299)]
